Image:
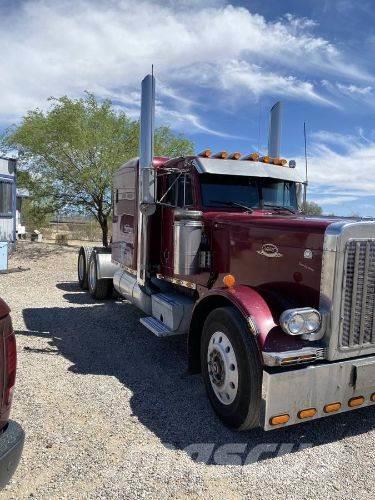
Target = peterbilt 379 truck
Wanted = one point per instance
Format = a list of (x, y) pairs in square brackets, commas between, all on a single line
[(277, 307)]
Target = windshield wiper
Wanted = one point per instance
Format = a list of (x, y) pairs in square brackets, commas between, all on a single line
[(232, 204), (279, 207)]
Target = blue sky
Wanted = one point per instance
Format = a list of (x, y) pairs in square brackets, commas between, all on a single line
[(219, 67)]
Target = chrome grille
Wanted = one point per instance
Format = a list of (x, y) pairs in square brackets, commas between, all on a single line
[(358, 302)]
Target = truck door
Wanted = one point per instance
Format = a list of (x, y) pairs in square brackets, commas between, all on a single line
[(178, 186)]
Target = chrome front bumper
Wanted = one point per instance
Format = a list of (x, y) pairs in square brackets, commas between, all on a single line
[(314, 387)]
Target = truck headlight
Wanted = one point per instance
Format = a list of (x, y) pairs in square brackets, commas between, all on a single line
[(300, 321)]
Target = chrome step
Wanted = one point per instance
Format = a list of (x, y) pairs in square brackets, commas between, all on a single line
[(157, 327)]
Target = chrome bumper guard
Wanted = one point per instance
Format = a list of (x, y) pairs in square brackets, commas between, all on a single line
[(351, 383)]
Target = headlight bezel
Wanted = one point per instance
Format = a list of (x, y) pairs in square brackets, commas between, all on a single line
[(305, 312)]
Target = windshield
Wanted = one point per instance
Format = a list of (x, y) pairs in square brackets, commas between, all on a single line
[(251, 192)]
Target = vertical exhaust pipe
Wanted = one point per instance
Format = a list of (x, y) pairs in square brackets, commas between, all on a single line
[(146, 176), (275, 131)]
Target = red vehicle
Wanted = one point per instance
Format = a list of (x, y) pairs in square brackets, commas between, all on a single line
[(278, 307), (11, 433)]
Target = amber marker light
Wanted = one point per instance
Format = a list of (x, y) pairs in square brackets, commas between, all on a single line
[(205, 154), (308, 413), (229, 280), (279, 419), (372, 397), (357, 401), (265, 159), (235, 156), (279, 161), (332, 407), (251, 157), (222, 155)]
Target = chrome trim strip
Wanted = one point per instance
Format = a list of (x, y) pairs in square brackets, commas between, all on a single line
[(176, 281)]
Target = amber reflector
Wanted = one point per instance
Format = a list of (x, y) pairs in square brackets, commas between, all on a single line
[(373, 397), (222, 155), (358, 401), (234, 156), (206, 153), (280, 419), (229, 280), (332, 407), (309, 412)]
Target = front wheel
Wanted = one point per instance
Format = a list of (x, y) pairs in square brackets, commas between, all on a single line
[(231, 368), (99, 288)]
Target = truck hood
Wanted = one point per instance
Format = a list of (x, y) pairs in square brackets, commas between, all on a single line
[(295, 231)]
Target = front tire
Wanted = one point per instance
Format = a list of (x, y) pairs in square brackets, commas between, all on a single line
[(99, 288), (231, 368)]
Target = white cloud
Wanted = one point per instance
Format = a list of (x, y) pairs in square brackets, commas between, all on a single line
[(363, 94), (354, 89), (336, 178), (106, 47), (238, 74)]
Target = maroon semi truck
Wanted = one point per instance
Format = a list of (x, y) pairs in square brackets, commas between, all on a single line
[(278, 307), (11, 433)]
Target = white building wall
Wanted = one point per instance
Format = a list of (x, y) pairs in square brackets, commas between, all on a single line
[(7, 224)]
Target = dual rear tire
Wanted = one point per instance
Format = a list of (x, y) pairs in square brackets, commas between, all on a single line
[(99, 289)]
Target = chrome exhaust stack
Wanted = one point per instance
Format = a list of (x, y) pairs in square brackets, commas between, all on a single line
[(275, 131), (147, 179)]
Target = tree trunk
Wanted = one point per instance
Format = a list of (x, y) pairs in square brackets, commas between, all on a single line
[(103, 222), (104, 225)]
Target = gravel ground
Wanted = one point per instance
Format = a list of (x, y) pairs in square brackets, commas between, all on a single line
[(109, 410)]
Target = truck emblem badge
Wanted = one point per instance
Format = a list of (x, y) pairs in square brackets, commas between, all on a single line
[(308, 254), (270, 250)]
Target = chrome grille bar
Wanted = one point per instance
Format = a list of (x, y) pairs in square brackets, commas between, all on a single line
[(364, 301), (358, 300)]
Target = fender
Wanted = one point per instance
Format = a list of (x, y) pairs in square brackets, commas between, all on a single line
[(248, 301), (254, 308)]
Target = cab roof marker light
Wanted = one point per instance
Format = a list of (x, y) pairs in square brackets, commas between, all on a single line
[(279, 161), (205, 154), (234, 156), (251, 157), (222, 155), (265, 159)]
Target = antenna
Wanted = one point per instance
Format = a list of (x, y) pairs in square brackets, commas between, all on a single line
[(306, 172)]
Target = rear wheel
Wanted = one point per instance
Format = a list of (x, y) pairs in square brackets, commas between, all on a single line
[(231, 368), (82, 270), (99, 288)]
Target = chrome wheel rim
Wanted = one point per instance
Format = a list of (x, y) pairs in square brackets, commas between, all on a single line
[(222, 368), (92, 275), (81, 267)]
